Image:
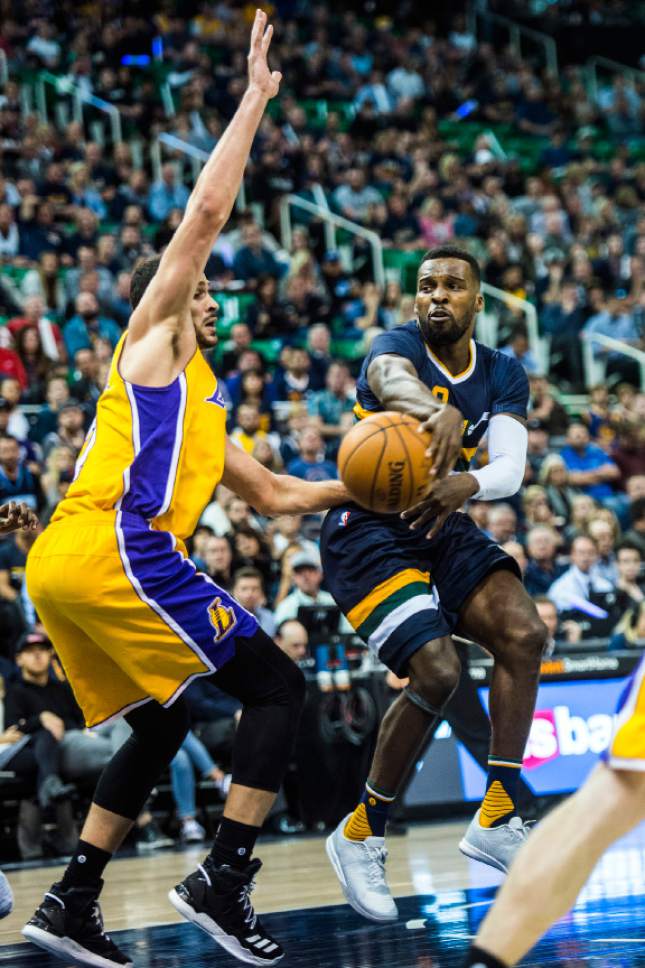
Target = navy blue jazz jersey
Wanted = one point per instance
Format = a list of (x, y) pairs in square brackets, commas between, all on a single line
[(491, 383), (398, 589)]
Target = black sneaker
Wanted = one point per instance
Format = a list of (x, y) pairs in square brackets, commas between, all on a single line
[(69, 924), (151, 837), (217, 900)]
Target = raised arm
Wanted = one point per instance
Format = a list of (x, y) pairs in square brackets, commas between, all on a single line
[(166, 300), (274, 494), (395, 382)]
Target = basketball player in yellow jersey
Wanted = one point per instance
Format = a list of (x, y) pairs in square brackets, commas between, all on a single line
[(132, 620)]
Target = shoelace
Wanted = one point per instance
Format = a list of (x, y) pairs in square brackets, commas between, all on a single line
[(521, 828), (375, 871), (248, 914)]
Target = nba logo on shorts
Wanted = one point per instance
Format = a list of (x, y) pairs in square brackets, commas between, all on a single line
[(344, 518), (222, 618)]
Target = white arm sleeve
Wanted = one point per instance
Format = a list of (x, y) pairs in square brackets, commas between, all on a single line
[(504, 473)]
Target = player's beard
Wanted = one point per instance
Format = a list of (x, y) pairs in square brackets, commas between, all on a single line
[(445, 333)]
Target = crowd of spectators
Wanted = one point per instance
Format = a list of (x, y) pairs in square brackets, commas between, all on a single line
[(361, 116)]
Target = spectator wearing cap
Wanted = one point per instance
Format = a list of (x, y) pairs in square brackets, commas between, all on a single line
[(589, 467), (248, 590), (43, 709), (311, 465), (87, 324), (306, 575)]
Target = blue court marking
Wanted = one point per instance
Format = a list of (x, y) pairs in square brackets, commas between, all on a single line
[(599, 933)]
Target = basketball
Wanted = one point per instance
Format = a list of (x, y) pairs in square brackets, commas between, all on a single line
[(383, 464)]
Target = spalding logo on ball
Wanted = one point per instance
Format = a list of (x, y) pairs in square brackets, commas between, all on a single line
[(382, 462)]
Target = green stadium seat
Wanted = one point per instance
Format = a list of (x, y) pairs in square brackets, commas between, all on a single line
[(269, 349)]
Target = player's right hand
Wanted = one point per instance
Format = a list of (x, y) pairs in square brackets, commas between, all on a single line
[(14, 516), (446, 426), (261, 77)]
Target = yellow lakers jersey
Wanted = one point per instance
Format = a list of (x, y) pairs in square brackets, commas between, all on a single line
[(153, 451)]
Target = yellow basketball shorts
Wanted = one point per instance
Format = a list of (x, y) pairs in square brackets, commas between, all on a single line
[(627, 748), (129, 615)]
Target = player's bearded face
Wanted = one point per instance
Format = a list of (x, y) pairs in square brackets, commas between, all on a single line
[(446, 302)]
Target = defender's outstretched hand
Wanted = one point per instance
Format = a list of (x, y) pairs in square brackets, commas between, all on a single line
[(14, 516), (261, 77)]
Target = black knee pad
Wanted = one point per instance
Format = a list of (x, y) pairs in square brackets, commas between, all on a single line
[(157, 733)]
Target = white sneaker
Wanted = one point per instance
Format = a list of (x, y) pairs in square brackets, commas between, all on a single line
[(6, 896), (360, 868), (495, 846), (192, 832)]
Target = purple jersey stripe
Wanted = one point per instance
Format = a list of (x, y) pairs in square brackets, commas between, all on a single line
[(155, 415), (201, 613)]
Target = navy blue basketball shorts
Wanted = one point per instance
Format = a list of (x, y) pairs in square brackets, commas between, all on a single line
[(398, 589)]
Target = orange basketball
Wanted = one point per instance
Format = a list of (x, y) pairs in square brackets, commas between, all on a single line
[(382, 462)]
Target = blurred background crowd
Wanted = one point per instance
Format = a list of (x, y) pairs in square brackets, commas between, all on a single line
[(414, 128)]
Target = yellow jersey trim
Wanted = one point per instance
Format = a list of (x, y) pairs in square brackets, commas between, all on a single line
[(365, 607), (456, 377)]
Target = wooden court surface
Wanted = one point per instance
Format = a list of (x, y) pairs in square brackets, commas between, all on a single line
[(296, 874), (441, 896)]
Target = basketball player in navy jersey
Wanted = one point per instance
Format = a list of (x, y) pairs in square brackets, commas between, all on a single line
[(407, 582)]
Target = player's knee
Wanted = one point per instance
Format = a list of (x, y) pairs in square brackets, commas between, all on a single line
[(435, 674), (529, 640)]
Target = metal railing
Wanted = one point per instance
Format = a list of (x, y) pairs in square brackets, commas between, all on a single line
[(81, 98), (611, 67), (198, 158), (334, 221), (595, 366), (4, 68), (488, 323), (516, 34)]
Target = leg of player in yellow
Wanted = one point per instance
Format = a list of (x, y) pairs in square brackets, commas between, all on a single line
[(554, 864)]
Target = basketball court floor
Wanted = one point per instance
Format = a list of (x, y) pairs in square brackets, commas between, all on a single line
[(441, 896)]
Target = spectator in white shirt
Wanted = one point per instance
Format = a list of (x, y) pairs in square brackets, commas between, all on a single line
[(307, 577), (574, 588)]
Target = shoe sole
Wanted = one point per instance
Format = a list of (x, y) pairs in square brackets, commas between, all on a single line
[(227, 941), (334, 860), (67, 948), (476, 854)]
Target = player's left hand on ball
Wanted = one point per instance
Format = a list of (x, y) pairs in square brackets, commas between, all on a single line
[(261, 77), (446, 426), (442, 499), (14, 516)]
